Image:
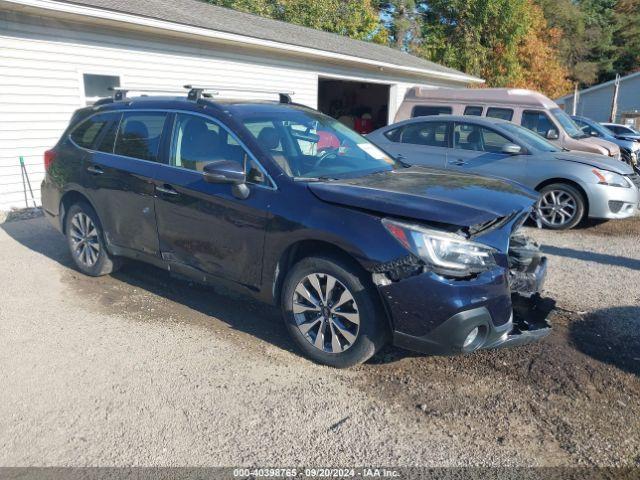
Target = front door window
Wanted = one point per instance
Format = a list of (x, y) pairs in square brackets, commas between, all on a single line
[(198, 141), (480, 139)]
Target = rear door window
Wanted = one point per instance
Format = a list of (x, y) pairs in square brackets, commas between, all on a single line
[(139, 135), (434, 134), (426, 111), (473, 111), (86, 134), (502, 113), (537, 121)]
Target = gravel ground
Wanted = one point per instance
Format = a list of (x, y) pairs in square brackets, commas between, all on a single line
[(139, 368)]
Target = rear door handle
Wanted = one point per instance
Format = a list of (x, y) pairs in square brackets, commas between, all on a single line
[(459, 162), (166, 189), (95, 169)]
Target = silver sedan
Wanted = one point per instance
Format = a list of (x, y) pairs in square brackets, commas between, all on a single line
[(572, 185)]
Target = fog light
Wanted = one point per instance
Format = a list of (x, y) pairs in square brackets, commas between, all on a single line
[(615, 206), (471, 337)]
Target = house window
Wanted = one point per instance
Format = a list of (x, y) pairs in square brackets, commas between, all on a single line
[(97, 86)]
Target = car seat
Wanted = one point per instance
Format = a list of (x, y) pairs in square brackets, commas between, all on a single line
[(474, 141), (270, 140)]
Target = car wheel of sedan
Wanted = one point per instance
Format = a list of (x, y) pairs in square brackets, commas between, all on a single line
[(332, 312), (560, 206), (86, 242)]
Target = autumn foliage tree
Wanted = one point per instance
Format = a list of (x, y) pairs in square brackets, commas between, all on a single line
[(352, 18), (539, 67), (506, 42)]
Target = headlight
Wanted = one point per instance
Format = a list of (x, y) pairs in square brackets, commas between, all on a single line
[(446, 253), (612, 179)]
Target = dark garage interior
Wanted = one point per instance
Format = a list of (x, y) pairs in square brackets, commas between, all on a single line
[(359, 105)]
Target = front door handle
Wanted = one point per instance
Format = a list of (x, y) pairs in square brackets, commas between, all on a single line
[(95, 169), (166, 189)]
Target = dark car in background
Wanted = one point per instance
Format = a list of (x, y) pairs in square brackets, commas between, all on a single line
[(297, 210), (572, 185)]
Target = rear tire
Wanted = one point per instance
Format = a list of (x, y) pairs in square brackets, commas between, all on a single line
[(86, 241), (337, 320), (560, 206)]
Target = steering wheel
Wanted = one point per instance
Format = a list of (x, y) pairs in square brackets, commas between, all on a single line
[(324, 154)]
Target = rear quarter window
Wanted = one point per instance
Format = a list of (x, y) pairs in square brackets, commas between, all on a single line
[(393, 135), (85, 134)]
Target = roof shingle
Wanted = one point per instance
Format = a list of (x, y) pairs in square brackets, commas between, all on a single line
[(200, 14)]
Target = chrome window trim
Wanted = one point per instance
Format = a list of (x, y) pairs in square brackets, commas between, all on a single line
[(273, 185)]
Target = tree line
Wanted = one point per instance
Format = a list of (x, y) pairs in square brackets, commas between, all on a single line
[(545, 45)]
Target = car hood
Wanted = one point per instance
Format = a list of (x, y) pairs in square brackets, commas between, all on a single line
[(611, 147), (595, 160), (430, 195)]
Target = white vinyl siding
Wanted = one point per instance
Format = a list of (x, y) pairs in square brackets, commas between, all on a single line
[(43, 60)]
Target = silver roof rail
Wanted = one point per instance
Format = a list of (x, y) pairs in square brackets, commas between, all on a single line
[(198, 91), (120, 93)]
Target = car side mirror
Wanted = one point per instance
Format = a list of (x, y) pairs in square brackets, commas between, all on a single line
[(552, 134), (594, 133), (226, 171), (511, 149)]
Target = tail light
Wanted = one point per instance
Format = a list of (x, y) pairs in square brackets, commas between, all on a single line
[(49, 157)]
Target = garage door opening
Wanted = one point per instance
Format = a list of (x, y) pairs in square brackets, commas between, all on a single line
[(359, 105)]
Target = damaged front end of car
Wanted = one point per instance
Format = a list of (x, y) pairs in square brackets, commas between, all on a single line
[(463, 290)]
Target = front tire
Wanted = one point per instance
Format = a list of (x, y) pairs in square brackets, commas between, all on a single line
[(332, 312), (86, 241), (560, 206)]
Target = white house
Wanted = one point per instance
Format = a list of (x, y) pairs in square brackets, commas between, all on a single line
[(57, 56)]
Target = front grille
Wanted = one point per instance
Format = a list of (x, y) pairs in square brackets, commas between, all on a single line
[(635, 179)]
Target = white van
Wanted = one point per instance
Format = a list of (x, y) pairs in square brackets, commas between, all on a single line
[(524, 107)]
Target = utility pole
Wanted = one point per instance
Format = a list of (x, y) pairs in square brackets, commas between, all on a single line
[(614, 101), (576, 99)]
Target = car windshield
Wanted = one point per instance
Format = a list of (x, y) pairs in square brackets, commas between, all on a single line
[(530, 138), (310, 145), (568, 124)]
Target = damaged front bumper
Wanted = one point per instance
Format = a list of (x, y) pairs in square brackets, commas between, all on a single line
[(500, 308), (475, 329)]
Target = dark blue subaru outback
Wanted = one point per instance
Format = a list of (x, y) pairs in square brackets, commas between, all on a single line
[(287, 204)]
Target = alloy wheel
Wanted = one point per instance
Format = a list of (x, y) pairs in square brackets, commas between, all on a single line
[(557, 208), (84, 239), (326, 313)]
